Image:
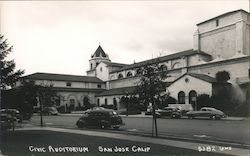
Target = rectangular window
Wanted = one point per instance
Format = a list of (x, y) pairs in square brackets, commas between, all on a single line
[(68, 84), (99, 86), (106, 101), (72, 101), (217, 23)]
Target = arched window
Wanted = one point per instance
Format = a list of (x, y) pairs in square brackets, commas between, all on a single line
[(120, 76), (129, 74), (192, 97), (138, 72), (115, 103), (176, 65), (106, 101), (163, 67), (91, 65), (98, 102), (181, 97), (86, 102)]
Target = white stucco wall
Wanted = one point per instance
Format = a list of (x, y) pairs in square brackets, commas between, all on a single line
[(77, 96), (102, 71), (226, 39), (200, 86), (238, 68), (73, 84), (219, 42), (126, 82)]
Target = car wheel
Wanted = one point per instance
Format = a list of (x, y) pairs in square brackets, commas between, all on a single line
[(191, 117), (173, 116), (104, 125), (213, 117), (79, 124), (116, 127), (218, 118)]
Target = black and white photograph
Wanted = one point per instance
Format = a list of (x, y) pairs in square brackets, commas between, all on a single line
[(125, 78)]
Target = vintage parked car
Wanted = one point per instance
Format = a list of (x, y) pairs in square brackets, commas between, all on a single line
[(6, 121), (170, 112), (50, 111), (100, 118), (210, 112), (150, 112), (14, 113)]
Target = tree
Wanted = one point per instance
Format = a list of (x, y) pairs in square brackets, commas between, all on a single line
[(222, 76), (203, 100), (8, 74), (24, 98), (151, 86)]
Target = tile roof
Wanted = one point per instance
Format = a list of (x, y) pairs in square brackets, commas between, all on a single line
[(62, 77), (198, 76), (69, 89), (99, 52), (162, 59), (115, 64), (118, 91), (203, 77), (122, 91)]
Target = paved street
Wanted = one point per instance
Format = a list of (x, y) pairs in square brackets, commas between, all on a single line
[(233, 132)]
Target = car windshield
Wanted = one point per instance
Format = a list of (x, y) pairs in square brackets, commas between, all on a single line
[(53, 108)]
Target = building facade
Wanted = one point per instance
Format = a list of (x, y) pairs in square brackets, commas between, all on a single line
[(219, 44)]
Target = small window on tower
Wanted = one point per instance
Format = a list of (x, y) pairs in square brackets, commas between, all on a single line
[(68, 84), (99, 86), (217, 23)]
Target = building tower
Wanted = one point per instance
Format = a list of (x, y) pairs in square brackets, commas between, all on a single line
[(98, 57)]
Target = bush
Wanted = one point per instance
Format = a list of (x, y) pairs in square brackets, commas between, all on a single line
[(61, 109), (108, 106), (203, 100)]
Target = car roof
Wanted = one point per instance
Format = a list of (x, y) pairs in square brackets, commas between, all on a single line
[(171, 107), (103, 110), (208, 108), (11, 109)]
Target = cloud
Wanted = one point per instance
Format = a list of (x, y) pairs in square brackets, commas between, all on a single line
[(60, 36)]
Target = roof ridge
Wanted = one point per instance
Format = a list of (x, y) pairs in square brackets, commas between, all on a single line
[(182, 53), (58, 74), (223, 14), (99, 52)]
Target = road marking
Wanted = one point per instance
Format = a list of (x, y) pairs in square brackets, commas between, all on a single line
[(48, 123), (202, 136)]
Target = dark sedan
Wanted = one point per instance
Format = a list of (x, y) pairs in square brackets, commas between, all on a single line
[(100, 118), (172, 112)]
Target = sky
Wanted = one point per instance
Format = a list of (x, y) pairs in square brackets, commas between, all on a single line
[(60, 36)]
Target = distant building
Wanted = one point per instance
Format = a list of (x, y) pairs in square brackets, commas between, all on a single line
[(220, 43)]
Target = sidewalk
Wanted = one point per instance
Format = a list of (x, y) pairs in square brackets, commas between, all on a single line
[(180, 144)]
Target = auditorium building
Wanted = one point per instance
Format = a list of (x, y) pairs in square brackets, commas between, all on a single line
[(221, 43)]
